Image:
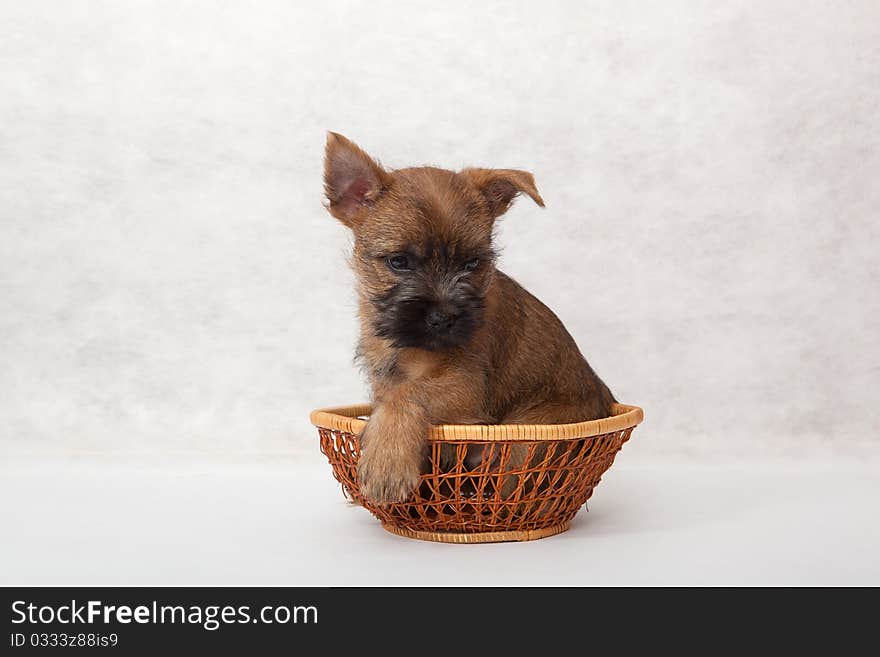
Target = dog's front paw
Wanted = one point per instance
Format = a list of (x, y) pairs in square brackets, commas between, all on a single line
[(388, 487), (386, 480), (387, 471)]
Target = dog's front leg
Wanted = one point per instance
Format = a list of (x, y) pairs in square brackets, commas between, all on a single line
[(393, 448), (394, 444)]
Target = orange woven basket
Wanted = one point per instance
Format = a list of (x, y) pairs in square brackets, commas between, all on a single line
[(496, 500)]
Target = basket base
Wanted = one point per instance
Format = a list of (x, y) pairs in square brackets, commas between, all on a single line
[(479, 537)]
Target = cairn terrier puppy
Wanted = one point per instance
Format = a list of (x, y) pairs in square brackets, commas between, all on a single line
[(445, 337)]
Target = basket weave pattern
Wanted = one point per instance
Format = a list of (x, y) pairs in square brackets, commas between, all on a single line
[(501, 498)]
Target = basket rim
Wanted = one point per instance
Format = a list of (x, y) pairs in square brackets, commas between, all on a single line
[(624, 416)]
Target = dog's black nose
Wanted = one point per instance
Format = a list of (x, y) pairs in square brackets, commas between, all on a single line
[(439, 320)]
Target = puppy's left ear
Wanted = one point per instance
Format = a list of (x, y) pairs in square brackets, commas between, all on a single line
[(500, 186), (352, 179)]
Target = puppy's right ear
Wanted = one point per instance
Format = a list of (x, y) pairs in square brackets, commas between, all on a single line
[(500, 186), (352, 179)]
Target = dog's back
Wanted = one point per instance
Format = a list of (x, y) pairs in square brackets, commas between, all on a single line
[(537, 374)]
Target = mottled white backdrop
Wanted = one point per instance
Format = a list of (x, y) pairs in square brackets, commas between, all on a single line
[(170, 284)]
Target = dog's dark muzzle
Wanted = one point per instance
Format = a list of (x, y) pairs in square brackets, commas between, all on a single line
[(440, 321), (426, 324)]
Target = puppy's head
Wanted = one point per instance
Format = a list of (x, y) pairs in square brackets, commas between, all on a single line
[(423, 241)]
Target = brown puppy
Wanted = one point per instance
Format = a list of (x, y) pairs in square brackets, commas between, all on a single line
[(445, 336)]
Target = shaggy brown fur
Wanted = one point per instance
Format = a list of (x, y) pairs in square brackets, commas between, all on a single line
[(445, 336)]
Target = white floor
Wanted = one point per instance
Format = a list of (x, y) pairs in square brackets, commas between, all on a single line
[(286, 523)]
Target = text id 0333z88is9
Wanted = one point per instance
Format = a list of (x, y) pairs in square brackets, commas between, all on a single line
[(63, 640)]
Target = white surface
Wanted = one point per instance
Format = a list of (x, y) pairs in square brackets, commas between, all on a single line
[(169, 282), (286, 523)]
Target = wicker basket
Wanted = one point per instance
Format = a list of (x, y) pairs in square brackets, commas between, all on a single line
[(488, 503)]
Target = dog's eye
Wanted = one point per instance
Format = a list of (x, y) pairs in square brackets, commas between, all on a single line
[(399, 263), (472, 264)]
